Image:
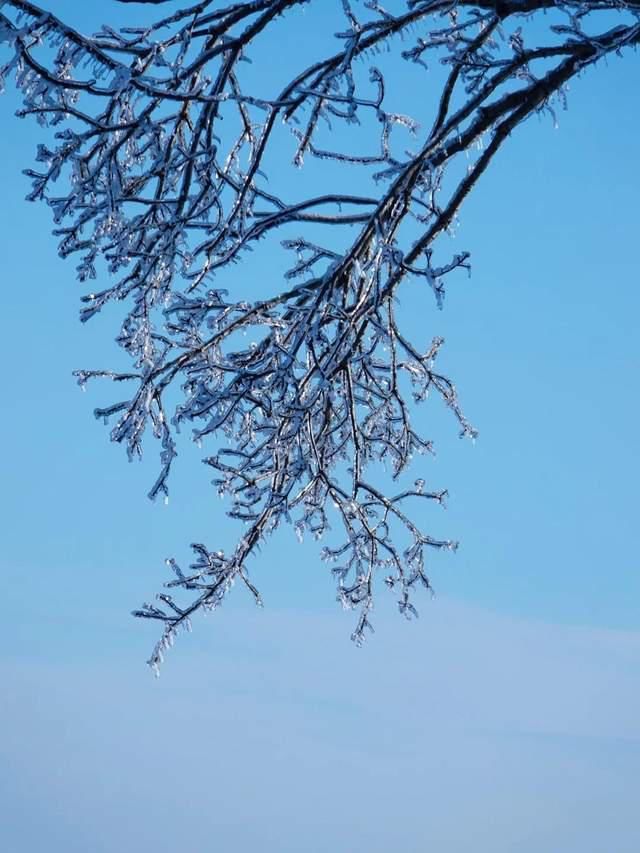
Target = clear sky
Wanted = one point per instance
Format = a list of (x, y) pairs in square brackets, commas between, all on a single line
[(506, 719)]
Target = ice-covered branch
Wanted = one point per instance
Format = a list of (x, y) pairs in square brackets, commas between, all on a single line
[(157, 146)]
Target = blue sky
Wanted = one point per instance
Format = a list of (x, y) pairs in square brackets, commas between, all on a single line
[(506, 717)]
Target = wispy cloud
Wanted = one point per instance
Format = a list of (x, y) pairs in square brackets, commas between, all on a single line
[(464, 728)]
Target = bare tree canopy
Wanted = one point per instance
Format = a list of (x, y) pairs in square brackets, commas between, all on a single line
[(164, 137)]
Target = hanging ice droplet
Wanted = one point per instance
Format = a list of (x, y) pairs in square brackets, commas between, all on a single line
[(166, 500)]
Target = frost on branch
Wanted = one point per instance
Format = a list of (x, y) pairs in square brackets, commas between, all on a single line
[(158, 143)]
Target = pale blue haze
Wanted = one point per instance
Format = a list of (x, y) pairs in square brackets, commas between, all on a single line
[(506, 719)]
